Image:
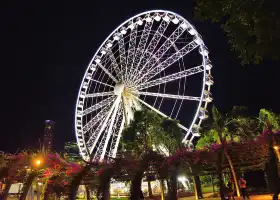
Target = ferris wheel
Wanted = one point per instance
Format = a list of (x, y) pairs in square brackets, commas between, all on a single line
[(155, 60)]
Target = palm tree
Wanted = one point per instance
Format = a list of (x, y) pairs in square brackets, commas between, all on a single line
[(268, 118), (221, 126)]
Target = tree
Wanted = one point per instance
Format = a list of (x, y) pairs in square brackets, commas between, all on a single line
[(141, 134), (267, 116), (252, 26), (139, 139), (169, 141), (220, 126), (27, 183)]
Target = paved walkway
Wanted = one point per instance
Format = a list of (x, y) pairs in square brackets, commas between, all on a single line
[(257, 197)]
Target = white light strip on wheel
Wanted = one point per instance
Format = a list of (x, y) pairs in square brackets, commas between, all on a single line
[(153, 44), (114, 152), (100, 94), (110, 128), (131, 49), (114, 62), (103, 126), (107, 72), (157, 111), (172, 77), (98, 105), (99, 116), (141, 47), (163, 49), (172, 96), (101, 83), (122, 56), (169, 61)]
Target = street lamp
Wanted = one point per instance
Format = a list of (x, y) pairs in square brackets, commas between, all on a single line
[(38, 162)]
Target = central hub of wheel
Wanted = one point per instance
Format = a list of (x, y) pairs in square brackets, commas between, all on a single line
[(118, 89)]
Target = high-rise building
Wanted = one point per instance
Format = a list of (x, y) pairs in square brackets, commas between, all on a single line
[(48, 135)]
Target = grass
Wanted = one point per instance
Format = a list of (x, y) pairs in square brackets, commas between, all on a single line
[(208, 189)]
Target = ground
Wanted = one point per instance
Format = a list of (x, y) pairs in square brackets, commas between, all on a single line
[(258, 197)]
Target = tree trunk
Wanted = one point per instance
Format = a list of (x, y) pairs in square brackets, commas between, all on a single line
[(162, 190), (27, 185), (172, 185), (233, 173), (213, 186), (198, 187), (220, 173), (136, 185), (46, 195), (4, 172), (150, 189), (222, 141), (88, 192), (271, 170), (104, 188), (74, 186), (7, 189)]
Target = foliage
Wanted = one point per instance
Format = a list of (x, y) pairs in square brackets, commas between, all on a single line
[(233, 126), (252, 26), (71, 152), (140, 135), (207, 138), (267, 116), (171, 137)]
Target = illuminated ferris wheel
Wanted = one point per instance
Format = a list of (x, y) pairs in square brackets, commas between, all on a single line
[(155, 60)]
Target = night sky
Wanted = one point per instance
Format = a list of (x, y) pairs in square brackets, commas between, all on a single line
[(45, 49)]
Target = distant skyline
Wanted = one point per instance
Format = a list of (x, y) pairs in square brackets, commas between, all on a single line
[(46, 47)]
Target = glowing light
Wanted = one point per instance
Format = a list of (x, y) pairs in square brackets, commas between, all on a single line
[(276, 147), (175, 20), (38, 162), (157, 17), (166, 18), (182, 178)]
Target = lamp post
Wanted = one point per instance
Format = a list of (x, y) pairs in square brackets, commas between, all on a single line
[(38, 162)]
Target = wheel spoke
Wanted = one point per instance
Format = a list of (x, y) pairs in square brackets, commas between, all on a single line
[(172, 77), (107, 72), (98, 105), (141, 46), (172, 96), (108, 135), (159, 112), (116, 140), (100, 94), (122, 56), (95, 119), (131, 50), (114, 62), (163, 49), (102, 127), (96, 154), (169, 61), (102, 83), (153, 43)]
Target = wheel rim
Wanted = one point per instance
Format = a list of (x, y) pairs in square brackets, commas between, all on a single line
[(134, 68)]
